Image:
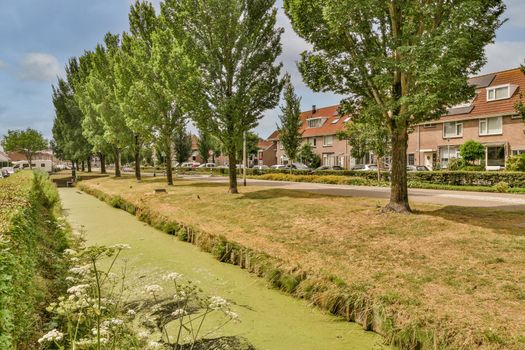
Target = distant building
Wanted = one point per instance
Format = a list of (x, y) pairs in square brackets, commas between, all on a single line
[(489, 118), (4, 160)]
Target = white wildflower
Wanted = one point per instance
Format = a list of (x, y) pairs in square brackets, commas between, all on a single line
[(232, 315), (174, 276), (70, 252), (121, 246), (131, 312), (144, 334), (78, 290), (154, 345), (117, 321), (51, 336), (179, 312), (153, 288), (217, 303), (80, 270)]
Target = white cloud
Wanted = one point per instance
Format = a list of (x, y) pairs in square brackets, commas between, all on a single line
[(39, 67), (504, 55)]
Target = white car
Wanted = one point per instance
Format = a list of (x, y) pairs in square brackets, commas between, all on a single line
[(207, 165), (9, 170), (261, 167), (190, 165), (279, 166)]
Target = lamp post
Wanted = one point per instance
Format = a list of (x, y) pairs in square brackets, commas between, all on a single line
[(244, 157)]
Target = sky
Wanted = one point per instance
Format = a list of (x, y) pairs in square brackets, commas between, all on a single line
[(37, 38)]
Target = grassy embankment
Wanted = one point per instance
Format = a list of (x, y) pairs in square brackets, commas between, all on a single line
[(31, 242), (443, 278)]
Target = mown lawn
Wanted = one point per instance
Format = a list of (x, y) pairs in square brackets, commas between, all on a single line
[(456, 273)]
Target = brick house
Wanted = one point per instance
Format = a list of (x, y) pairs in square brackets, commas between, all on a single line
[(267, 151), (490, 118), (319, 128)]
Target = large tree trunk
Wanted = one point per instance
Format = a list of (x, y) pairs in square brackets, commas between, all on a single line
[(73, 170), (102, 163), (78, 166), (137, 158), (169, 172), (232, 173), (89, 164), (83, 166), (117, 163), (398, 187), (29, 157)]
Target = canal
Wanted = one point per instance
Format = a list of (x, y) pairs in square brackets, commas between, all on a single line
[(270, 319)]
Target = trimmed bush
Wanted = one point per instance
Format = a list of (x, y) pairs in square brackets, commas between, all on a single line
[(516, 163)]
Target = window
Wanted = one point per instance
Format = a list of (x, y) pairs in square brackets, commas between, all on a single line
[(411, 159), (495, 156), (315, 123), (328, 140), (312, 141), (452, 129), (429, 126), (329, 159), (43, 165), (335, 121), (448, 153), (490, 126), (498, 93), (517, 152), (347, 119)]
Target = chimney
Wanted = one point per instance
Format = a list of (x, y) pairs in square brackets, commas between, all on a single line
[(314, 109)]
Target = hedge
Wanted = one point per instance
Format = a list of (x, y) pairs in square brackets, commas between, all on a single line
[(456, 178), (31, 240)]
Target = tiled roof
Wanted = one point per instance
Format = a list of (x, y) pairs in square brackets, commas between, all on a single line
[(274, 136), (332, 122), (264, 144), (483, 108)]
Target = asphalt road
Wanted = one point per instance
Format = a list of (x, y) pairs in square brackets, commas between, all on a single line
[(441, 197)]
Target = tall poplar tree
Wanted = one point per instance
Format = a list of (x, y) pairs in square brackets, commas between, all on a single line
[(236, 44), (166, 91), (289, 130), (405, 60)]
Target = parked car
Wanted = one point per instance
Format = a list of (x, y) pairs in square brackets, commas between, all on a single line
[(329, 168), (207, 165), (417, 168), (190, 165), (10, 170), (299, 166), (4, 172), (279, 166), (261, 167), (364, 167)]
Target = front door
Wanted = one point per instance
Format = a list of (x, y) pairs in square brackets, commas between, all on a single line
[(428, 160)]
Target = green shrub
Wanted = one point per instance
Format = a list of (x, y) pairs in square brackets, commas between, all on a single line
[(516, 163), (501, 187), (472, 151), (456, 164)]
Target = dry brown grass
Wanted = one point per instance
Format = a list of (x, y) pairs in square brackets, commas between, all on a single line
[(447, 270)]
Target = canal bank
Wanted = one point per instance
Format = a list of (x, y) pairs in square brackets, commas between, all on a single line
[(270, 319)]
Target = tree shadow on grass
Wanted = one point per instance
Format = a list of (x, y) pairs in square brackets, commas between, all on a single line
[(499, 219), (273, 193)]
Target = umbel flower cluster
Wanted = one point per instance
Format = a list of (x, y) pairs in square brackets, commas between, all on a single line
[(98, 310)]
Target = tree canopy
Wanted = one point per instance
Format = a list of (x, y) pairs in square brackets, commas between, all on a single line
[(290, 119), (402, 61), (235, 44), (28, 142)]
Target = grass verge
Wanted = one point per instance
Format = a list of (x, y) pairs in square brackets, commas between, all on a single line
[(444, 278), (31, 241)]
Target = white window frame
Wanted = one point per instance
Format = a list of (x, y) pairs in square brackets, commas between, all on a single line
[(457, 135), (517, 152), (494, 88), (319, 122), (312, 141), (486, 131), (325, 144)]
